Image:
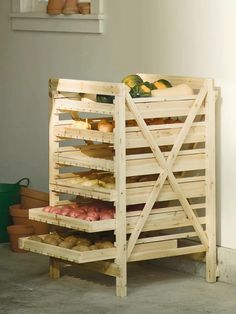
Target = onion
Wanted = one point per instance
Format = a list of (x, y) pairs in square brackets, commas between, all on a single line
[(105, 126)]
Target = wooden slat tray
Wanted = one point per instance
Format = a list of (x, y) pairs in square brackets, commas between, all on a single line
[(64, 186), (96, 158), (66, 254), (38, 214), (186, 160), (65, 104), (90, 135), (153, 107), (192, 187), (165, 136)]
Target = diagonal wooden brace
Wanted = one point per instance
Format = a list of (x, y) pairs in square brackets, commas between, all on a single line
[(167, 166)]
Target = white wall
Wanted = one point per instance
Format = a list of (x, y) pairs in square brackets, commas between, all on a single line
[(182, 37)]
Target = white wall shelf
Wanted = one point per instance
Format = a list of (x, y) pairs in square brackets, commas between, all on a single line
[(30, 15)]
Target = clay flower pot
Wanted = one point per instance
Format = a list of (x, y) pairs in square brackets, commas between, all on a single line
[(71, 7), (20, 216), (55, 7), (18, 231)]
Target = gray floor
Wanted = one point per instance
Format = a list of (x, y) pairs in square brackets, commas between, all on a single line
[(26, 288)]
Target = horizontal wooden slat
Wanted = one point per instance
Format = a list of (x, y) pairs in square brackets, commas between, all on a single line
[(101, 159), (66, 254), (163, 221), (75, 133), (182, 163), (165, 137), (162, 109), (166, 253), (190, 189), (84, 106), (167, 237), (154, 246), (168, 209), (90, 87), (91, 192)]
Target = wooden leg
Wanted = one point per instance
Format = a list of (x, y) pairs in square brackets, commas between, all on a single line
[(121, 281), (54, 268)]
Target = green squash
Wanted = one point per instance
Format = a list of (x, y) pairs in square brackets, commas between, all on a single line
[(132, 80), (105, 99), (161, 84), (150, 85), (140, 90)]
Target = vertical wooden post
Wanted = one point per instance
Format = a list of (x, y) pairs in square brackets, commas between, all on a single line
[(53, 145), (120, 203), (210, 184), (54, 268)]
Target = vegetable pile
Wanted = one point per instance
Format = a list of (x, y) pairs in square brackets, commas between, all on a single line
[(88, 212), (73, 242)]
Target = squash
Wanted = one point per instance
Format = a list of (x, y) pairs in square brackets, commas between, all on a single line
[(160, 84), (107, 99), (178, 90), (140, 90), (150, 85), (132, 80)]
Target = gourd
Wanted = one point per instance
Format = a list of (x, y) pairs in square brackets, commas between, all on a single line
[(132, 79), (140, 90), (160, 84), (107, 99), (178, 90)]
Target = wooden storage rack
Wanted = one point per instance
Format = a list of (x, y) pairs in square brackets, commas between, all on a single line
[(178, 160)]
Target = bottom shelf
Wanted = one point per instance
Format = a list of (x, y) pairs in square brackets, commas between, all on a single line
[(66, 254), (141, 252)]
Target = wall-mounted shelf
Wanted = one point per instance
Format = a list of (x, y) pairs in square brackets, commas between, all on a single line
[(30, 15)]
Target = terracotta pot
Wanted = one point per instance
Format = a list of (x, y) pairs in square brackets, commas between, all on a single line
[(18, 231), (20, 217), (71, 7), (55, 7)]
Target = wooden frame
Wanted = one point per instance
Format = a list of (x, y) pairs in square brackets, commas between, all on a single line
[(176, 164)]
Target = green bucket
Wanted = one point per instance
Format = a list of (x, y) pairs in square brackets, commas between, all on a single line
[(9, 195)]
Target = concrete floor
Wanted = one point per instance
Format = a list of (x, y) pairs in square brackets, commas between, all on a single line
[(25, 288)]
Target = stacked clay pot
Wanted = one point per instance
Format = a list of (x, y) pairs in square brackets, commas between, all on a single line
[(23, 226)]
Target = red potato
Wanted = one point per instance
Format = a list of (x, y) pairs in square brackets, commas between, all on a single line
[(73, 206), (82, 216), (56, 210), (47, 209), (65, 210), (92, 209), (92, 216), (74, 213), (104, 215), (83, 208)]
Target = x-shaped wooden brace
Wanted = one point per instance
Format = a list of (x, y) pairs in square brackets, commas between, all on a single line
[(166, 166)]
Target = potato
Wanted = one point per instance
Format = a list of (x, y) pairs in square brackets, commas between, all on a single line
[(83, 241), (71, 239), (35, 238), (66, 244), (92, 247), (51, 241), (103, 244), (81, 248)]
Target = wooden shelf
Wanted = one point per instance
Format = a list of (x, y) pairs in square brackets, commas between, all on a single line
[(67, 254), (38, 214)]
